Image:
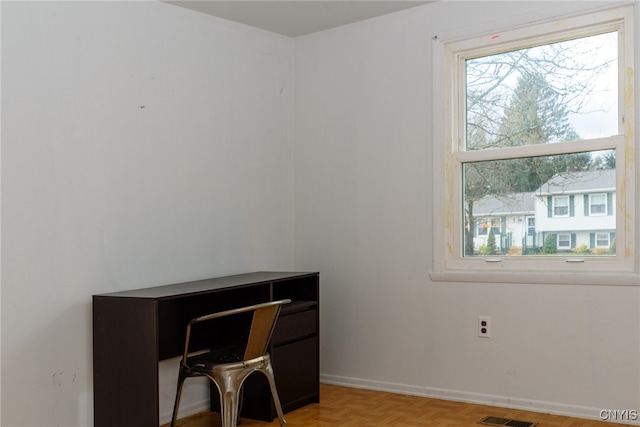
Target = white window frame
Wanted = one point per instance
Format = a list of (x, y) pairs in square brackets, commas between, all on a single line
[(449, 155), (591, 204)]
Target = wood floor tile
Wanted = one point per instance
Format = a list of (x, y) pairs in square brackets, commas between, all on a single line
[(350, 407)]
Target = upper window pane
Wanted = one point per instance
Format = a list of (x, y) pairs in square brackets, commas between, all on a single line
[(555, 92)]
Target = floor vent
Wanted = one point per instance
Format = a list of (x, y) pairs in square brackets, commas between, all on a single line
[(497, 421)]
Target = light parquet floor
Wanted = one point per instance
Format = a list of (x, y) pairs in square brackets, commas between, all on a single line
[(351, 407)]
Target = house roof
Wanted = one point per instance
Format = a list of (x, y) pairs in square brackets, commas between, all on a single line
[(579, 182), (510, 204)]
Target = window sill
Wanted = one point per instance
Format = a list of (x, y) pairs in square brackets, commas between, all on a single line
[(537, 277)]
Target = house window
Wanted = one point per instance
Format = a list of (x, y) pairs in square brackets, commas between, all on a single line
[(598, 204), (602, 240), (534, 119), (531, 226), (561, 206), (564, 241), (483, 229), (488, 223)]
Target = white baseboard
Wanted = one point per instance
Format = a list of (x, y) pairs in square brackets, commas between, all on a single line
[(584, 412)]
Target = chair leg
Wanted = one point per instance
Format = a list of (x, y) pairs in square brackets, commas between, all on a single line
[(268, 372), (240, 403), (229, 384), (181, 378), (229, 411)]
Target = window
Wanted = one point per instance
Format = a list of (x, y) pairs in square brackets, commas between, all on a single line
[(602, 240), (488, 223), (598, 204), (561, 206), (564, 241), (540, 120), (531, 226)]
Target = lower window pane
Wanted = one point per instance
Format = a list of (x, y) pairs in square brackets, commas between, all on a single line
[(540, 206)]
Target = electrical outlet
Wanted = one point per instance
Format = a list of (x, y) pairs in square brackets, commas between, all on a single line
[(484, 326)]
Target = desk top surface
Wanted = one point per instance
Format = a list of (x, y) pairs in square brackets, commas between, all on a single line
[(207, 285)]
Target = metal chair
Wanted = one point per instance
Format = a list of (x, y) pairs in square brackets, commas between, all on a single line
[(228, 367)]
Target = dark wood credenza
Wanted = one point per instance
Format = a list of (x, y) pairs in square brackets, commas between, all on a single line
[(134, 330)]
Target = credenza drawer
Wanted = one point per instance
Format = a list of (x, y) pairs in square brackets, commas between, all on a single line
[(295, 367), (294, 326)]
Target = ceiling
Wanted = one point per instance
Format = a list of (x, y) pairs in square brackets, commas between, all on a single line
[(295, 18)]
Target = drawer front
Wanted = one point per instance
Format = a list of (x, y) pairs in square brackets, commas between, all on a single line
[(295, 368), (293, 326)]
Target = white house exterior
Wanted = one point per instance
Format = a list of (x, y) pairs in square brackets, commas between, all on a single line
[(511, 217), (578, 208)]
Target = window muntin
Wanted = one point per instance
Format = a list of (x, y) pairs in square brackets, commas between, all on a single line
[(451, 260)]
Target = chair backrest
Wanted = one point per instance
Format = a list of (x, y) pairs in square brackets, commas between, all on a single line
[(263, 323)]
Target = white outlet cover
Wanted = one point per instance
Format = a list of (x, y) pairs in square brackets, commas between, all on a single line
[(484, 326)]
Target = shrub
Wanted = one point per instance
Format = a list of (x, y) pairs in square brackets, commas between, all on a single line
[(550, 245), (582, 249)]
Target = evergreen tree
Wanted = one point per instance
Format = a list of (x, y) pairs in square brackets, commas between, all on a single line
[(536, 115), (550, 245), (492, 249)]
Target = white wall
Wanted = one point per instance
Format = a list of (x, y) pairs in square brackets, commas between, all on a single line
[(364, 203), (142, 144)]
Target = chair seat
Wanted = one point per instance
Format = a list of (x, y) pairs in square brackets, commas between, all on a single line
[(211, 358)]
